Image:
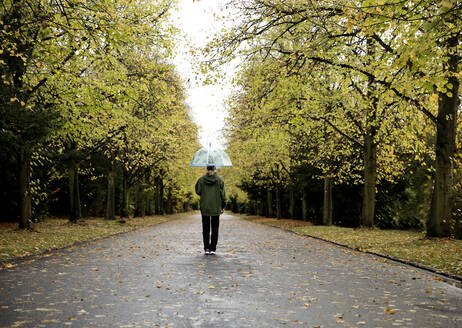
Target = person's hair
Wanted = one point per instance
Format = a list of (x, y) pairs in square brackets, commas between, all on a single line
[(211, 168)]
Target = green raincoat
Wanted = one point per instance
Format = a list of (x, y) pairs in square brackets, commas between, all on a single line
[(211, 188)]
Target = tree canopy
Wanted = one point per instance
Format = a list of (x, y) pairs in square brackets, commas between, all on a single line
[(89, 90), (365, 92)]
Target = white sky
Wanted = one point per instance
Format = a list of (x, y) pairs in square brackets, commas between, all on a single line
[(196, 19)]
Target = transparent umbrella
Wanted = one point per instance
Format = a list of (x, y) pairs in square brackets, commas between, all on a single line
[(210, 156)]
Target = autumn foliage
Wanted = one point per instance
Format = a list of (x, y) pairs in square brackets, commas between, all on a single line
[(93, 114), (347, 110)]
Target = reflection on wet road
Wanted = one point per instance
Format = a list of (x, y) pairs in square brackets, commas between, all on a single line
[(260, 277)]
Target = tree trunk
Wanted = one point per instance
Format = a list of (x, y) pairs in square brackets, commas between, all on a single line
[(146, 199), (262, 202), (75, 210), (254, 207), (278, 203), (291, 204), (77, 205), (156, 196), (148, 202), (438, 223), (71, 176), (304, 204), (25, 216), (370, 151), (138, 200), (185, 206), (169, 202), (327, 205), (143, 201), (269, 202), (370, 180), (17, 67), (110, 205), (458, 227), (159, 196), (125, 195)]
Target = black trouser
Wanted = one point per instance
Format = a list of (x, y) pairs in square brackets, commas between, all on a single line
[(210, 242)]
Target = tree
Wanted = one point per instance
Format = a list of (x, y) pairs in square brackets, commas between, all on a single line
[(397, 47), (44, 40)]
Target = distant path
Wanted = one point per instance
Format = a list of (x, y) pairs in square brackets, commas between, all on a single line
[(260, 277)]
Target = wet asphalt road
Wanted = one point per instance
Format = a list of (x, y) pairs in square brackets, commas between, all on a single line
[(260, 277)]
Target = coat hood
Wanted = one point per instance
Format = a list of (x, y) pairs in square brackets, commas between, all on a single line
[(210, 179)]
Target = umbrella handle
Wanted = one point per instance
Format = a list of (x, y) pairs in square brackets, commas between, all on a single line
[(208, 153)]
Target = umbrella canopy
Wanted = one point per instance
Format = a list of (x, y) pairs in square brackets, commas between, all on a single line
[(209, 156)]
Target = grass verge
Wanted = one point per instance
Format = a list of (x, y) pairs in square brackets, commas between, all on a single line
[(59, 232), (440, 254)]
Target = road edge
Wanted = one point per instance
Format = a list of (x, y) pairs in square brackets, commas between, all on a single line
[(452, 279), (15, 261)]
